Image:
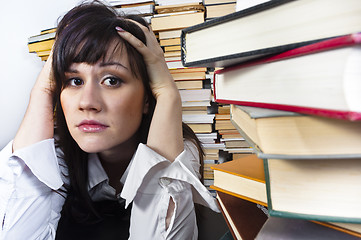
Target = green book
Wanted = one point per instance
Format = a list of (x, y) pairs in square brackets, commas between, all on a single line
[(315, 189)]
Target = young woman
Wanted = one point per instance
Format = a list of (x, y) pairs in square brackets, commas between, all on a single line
[(121, 163)]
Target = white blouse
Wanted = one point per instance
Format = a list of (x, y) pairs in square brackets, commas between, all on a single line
[(30, 205)]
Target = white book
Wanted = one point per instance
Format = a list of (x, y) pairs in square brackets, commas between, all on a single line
[(198, 118), (126, 2), (243, 4), (196, 104), (138, 10), (195, 95), (174, 64), (175, 2)]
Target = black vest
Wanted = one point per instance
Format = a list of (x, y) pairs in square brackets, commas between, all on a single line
[(114, 224)]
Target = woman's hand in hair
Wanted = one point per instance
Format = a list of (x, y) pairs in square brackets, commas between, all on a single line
[(37, 124), (165, 133), (44, 82), (161, 79)]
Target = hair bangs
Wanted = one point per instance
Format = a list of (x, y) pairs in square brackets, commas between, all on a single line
[(89, 40)]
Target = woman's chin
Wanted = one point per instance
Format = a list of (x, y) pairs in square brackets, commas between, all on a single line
[(91, 147)]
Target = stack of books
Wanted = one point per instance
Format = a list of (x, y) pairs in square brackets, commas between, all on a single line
[(143, 8), (234, 143), (193, 82), (291, 74), (41, 44)]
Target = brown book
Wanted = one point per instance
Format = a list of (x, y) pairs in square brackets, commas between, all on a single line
[(170, 42), (236, 144), (188, 75), (224, 109), (231, 135), (244, 218), (285, 228), (179, 21), (214, 11), (224, 124), (194, 84), (223, 116), (353, 229), (179, 8), (243, 178), (201, 127)]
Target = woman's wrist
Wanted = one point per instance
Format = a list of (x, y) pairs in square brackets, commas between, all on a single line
[(38, 123)]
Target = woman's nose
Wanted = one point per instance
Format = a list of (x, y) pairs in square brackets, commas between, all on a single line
[(90, 99)]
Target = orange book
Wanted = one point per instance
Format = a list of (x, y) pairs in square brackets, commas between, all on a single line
[(243, 178)]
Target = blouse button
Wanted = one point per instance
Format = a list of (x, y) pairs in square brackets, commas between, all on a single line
[(164, 181)]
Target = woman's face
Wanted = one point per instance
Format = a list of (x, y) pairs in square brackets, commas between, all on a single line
[(103, 103)]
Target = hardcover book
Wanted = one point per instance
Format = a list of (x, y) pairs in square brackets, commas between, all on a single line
[(314, 189), (320, 79), (288, 135), (283, 228), (244, 218), (243, 178), (267, 28)]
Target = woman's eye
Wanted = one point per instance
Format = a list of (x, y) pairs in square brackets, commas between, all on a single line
[(112, 81), (75, 82)]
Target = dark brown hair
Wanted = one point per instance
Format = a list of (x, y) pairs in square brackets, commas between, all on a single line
[(85, 34)]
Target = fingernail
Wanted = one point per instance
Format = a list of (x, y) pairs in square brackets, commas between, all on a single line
[(119, 29)]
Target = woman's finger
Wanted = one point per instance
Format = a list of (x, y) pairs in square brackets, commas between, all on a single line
[(135, 42)]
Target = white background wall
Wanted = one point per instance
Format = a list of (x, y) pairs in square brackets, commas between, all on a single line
[(18, 68)]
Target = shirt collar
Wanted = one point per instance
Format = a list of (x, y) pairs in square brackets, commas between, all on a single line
[(97, 174)]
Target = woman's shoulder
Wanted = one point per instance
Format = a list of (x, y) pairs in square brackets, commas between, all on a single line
[(191, 147)]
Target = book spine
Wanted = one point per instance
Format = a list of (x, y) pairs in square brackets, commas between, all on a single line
[(236, 15), (344, 115)]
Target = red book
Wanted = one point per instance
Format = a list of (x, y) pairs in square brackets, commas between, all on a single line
[(322, 79)]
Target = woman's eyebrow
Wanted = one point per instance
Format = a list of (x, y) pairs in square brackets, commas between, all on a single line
[(72, 70), (105, 64)]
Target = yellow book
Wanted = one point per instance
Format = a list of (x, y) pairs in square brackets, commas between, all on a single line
[(44, 58), (170, 42), (41, 46), (50, 30), (201, 127), (172, 48), (43, 53)]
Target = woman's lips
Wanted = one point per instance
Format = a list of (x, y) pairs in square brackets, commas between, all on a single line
[(91, 126)]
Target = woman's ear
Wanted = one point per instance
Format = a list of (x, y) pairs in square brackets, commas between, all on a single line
[(146, 104)]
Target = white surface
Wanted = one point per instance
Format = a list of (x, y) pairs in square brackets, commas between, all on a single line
[(19, 68)]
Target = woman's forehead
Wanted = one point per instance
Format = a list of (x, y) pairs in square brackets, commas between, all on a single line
[(117, 52)]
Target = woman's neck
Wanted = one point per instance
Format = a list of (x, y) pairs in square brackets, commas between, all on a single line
[(116, 160)]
